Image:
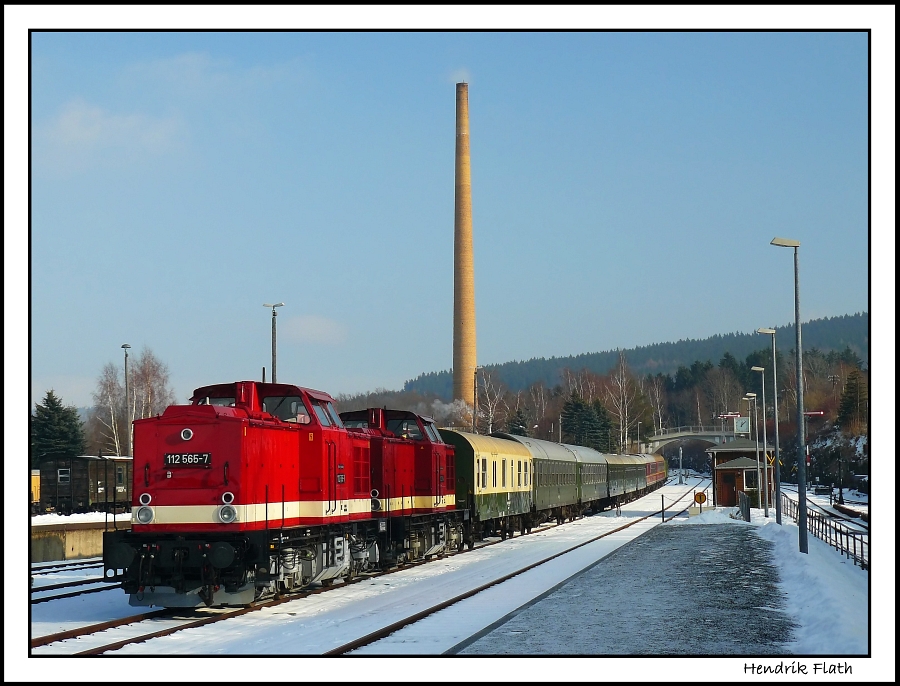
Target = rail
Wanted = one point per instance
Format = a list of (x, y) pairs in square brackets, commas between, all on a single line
[(853, 544)]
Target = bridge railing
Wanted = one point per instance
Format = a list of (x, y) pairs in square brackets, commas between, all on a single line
[(709, 428)]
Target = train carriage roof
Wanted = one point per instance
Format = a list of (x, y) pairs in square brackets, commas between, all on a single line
[(483, 445), (633, 459), (586, 455), (541, 450)]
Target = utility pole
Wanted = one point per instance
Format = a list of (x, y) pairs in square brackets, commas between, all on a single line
[(274, 314)]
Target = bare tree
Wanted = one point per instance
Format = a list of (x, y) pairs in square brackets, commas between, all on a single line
[(106, 428), (657, 391), (490, 396), (149, 386), (621, 393), (722, 389), (149, 394), (539, 400)]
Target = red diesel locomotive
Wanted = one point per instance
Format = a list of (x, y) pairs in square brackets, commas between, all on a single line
[(258, 488)]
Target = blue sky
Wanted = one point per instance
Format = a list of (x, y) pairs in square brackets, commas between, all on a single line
[(625, 190)]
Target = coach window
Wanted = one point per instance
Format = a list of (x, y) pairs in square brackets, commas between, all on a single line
[(484, 472), (494, 469), (519, 462), (503, 474)]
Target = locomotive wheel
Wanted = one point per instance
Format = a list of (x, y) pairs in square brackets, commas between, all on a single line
[(471, 543)]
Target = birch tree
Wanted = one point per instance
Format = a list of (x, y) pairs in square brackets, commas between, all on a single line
[(621, 393)]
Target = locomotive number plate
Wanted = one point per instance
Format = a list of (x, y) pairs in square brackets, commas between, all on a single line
[(188, 459)]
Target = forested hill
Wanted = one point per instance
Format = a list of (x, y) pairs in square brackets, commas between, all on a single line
[(828, 334)]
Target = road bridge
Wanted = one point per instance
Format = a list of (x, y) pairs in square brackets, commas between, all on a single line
[(710, 434)]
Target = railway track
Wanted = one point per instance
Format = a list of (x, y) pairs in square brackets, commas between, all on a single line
[(72, 594), (192, 620), (854, 522), (207, 616), (58, 567)]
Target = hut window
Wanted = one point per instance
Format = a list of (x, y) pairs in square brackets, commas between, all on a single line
[(62, 476)]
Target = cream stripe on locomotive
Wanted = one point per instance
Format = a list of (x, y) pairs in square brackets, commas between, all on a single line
[(209, 514), (418, 502)]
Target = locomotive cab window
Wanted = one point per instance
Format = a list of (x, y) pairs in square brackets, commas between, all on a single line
[(322, 414), (335, 417), (405, 428), (288, 408)]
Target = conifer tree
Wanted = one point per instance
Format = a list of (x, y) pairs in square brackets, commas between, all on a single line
[(854, 409), (55, 429), (516, 423)]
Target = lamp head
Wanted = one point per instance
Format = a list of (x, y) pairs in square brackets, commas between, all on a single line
[(758, 369), (749, 396), (273, 306), (126, 346), (785, 242), (768, 331)]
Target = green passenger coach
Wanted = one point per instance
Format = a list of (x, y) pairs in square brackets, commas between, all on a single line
[(555, 477), (496, 477)]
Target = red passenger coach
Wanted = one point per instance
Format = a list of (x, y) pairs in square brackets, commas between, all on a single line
[(256, 488)]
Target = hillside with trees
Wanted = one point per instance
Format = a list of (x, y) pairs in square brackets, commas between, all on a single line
[(613, 401), (828, 334)]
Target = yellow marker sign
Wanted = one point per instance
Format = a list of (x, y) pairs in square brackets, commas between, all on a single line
[(772, 460), (700, 498)]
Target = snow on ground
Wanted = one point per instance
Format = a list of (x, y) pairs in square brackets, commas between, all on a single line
[(45, 519), (827, 594)]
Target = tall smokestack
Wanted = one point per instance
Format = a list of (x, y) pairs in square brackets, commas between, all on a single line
[(463, 263)]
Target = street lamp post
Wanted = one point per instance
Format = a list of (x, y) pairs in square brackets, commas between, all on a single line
[(801, 437), (752, 398), (274, 314), (771, 332), (475, 403), (125, 347), (762, 372)]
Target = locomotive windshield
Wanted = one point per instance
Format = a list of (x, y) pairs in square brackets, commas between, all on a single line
[(405, 428), (288, 408), (432, 432)]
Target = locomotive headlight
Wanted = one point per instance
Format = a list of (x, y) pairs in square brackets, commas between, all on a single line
[(228, 497), (227, 514), (145, 498), (144, 515), (187, 434)]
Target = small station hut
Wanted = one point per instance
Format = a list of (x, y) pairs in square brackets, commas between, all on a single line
[(734, 469)]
